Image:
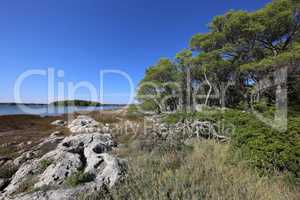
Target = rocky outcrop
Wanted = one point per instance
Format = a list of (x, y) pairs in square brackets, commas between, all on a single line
[(84, 124), (45, 145), (61, 169)]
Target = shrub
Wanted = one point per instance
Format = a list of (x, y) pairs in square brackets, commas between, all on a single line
[(44, 164), (264, 148), (79, 178)]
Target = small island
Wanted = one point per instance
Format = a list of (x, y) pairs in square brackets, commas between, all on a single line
[(76, 103)]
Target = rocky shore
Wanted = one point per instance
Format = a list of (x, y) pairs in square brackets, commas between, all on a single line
[(78, 163)]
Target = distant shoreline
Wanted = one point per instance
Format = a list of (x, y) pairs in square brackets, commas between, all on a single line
[(51, 109), (57, 105), (26, 104)]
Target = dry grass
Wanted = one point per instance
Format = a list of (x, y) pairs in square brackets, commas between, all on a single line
[(17, 129), (203, 173), (107, 116), (114, 116)]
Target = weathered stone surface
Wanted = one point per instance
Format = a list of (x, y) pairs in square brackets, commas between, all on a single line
[(84, 124), (24, 172), (60, 194), (24, 157)]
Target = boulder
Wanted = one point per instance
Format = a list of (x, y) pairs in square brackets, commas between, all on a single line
[(56, 134), (59, 123)]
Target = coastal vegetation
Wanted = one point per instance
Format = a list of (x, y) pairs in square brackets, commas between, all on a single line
[(241, 50), (241, 68), (76, 103), (225, 83)]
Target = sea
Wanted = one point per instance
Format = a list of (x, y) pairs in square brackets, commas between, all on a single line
[(49, 110)]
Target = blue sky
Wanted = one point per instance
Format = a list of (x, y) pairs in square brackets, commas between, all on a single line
[(82, 37)]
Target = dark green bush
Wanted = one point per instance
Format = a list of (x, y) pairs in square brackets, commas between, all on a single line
[(266, 148), (44, 164)]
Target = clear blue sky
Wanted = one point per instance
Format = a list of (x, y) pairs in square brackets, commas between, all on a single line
[(82, 37)]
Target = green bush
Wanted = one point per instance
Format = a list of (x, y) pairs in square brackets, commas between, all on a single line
[(44, 164), (266, 148), (252, 140), (79, 178)]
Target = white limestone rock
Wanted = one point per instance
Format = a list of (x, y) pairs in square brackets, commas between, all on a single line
[(59, 123), (88, 153), (84, 124)]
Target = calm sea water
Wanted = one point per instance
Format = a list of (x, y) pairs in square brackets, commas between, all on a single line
[(45, 110)]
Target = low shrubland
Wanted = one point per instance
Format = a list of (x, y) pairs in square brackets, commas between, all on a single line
[(252, 141), (195, 169)]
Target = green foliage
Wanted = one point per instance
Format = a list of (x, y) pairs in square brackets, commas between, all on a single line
[(240, 49), (133, 112), (290, 57), (44, 164), (266, 149), (243, 46), (76, 103), (244, 36), (78, 178), (157, 84)]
